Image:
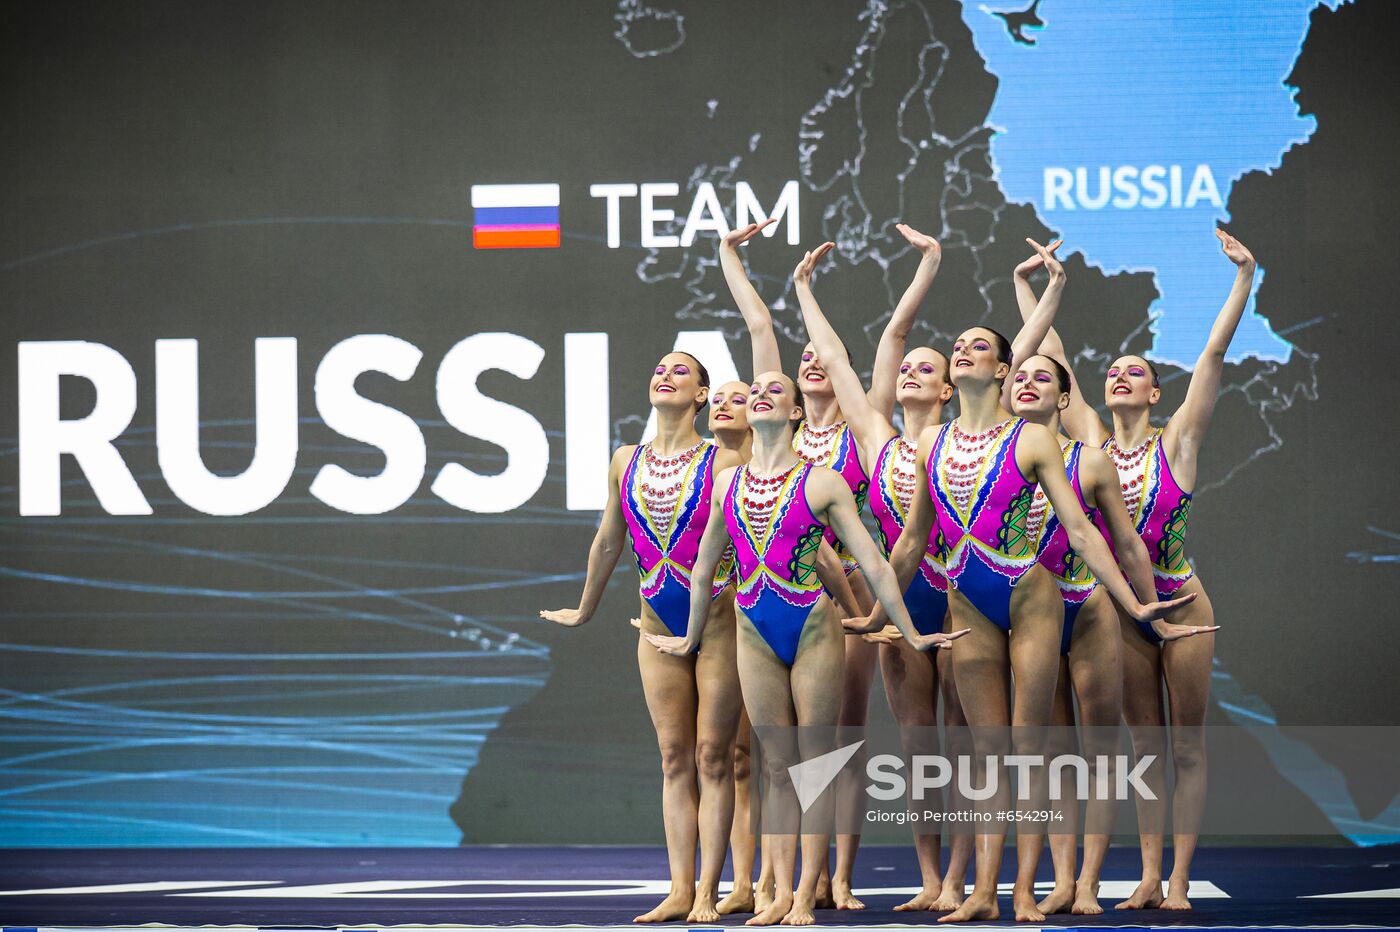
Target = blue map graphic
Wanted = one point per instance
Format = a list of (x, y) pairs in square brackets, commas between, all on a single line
[(1126, 124)]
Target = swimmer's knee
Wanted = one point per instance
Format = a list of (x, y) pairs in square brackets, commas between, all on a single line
[(714, 760), (677, 760)]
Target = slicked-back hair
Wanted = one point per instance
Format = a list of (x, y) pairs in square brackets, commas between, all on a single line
[(704, 378)]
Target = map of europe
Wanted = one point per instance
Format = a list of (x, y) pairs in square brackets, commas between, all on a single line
[(1126, 125)]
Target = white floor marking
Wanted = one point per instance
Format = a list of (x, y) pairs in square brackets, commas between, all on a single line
[(153, 887), (1391, 894), (405, 890)]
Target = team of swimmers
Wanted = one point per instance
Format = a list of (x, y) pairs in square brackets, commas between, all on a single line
[(1024, 541)]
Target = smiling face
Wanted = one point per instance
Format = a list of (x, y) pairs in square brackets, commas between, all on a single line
[(975, 359), (729, 408), (773, 399), (811, 376), (1128, 384), (676, 383), (923, 378), (1037, 392)]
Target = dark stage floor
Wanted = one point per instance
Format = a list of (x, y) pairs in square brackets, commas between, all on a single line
[(495, 886)]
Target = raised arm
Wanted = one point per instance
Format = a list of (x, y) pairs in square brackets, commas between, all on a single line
[(713, 540), (756, 316), (890, 352), (1080, 420), (1107, 497), (1039, 456), (839, 506), (605, 551), (1193, 417), (1036, 324), (870, 427)]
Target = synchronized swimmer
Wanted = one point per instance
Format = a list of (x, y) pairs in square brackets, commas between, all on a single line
[(1020, 542)]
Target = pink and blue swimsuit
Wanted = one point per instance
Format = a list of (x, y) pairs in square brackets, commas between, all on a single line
[(1073, 577), (989, 549), (1159, 508), (666, 555), (892, 489), (844, 458), (776, 562)]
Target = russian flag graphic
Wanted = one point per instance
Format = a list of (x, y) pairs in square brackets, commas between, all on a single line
[(515, 216)]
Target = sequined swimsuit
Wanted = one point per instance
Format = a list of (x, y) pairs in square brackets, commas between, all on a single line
[(776, 538), (1072, 575), (1159, 508), (666, 535), (840, 453), (891, 491), (982, 503)]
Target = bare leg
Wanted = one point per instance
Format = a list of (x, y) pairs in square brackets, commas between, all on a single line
[(669, 685), (1145, 717), (1037, 613), (857, 675), (1063, 837), (768, 698), (982, 669), (960, 843), (819, 655), (763, 892), (1186, 665), (910, 687), (717, 721), (1095, 665), (742, 840)]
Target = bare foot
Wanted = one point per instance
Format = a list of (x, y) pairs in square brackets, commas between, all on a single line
[(1176, 894), (1023, 902), (951, 897), (801, 913), (762, 896), (704, 909), (841, 893), (1058, 901), (824, 899), (925, 899), (779, 907), (1086, 899), (1148, 895), (740, 900), (977, 906), (676, 906)]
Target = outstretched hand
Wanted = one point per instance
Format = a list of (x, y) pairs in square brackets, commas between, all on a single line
[(1151, 611), (938, 640), (803, 273), (742, 235), (568, 617), (867, 624), (928, 246), (1234, 250), (889, 634), (666, 644), (1170, 632), (1025, 269)]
